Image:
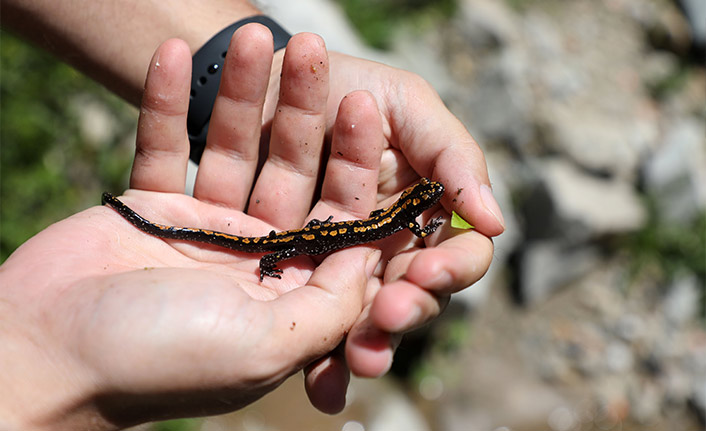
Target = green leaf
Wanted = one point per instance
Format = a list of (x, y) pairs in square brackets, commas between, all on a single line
[(458, 222)]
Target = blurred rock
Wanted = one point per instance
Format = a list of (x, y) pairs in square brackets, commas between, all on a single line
[(526, 403), (388, 408), (599, 141), (681, 303), (695, 11), (330, 23), (549, 265), (396, 414), (618, 357), (585, 206), (499, 100), (645, 402), (659, 67), (562, 419), (630, 327), (97, 123), (543, 36), (676, 172), (488, 24)]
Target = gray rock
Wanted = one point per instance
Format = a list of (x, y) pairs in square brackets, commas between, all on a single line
[(546, 266), (331, 23), (618, 357), (543, 36), (596, 139), (488, 24), (695, 11), (322, 17), (630, 327), (388, 408), (646, 402), (562, 419), (676, 172), (681, 304), (499, 101), (510, 398), (587, 206)]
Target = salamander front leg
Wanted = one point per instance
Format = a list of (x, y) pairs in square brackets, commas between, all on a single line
[(429, 229), (317, 222), (268, 262)]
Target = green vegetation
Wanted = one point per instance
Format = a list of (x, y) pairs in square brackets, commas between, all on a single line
[(449, 337), (377, 20), (49, 168), (177, 425), (667, 249)]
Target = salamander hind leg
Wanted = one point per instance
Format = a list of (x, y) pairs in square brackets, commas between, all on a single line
[(429, 229), (268, 262)]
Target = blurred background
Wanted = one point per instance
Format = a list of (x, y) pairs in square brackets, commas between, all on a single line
[(592, 115)]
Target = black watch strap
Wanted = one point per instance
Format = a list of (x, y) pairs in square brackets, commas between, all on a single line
[(206, 77)]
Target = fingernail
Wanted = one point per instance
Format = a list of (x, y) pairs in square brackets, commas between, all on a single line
[(372, 262), (490, 204), (412, 319), (440, 280), (388, 366)]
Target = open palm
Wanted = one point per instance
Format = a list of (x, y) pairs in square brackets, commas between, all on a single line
[(188, 325), (132, 328)]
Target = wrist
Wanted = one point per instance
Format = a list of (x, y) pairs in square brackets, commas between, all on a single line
[(41, 389), (113, 41), (198, 24)]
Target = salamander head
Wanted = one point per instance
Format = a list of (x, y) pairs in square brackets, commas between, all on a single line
[(422, 196)]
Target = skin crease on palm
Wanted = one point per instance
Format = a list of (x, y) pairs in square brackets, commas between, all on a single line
[(134, 328)]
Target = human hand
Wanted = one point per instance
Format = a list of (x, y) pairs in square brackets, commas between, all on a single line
[(159, 166), (421, 137), (103, 326)]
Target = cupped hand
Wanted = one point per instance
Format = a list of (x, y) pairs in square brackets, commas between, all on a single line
[(297, 102), (137, 328), (420, 137), (104, 326)]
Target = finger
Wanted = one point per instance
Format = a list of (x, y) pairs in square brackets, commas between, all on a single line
[(352, 171), (162, 150), (229, 160), (402, 306), (283, 192), (326, 382), (313, 319), (453, 260), (446, 152), (452, 265), (369, 350)]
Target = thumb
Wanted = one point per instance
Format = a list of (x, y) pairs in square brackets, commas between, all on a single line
[(313, 319)]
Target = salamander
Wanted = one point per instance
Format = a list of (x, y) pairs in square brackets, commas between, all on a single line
[(317, 237)]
